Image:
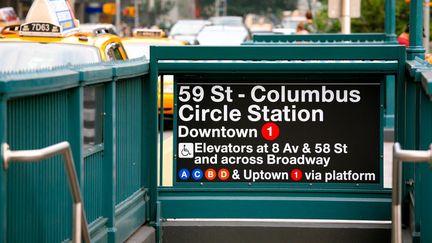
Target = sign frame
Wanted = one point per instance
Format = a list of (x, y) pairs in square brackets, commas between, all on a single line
[(270, 202)]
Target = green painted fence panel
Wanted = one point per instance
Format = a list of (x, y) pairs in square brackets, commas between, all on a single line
[(412, 130), (416, 133), (131, 205), (129, 125), (423, 172), (93, 185), (44, 107), (39, 200)]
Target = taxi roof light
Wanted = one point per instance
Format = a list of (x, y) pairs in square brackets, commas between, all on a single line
[(51, 18), (148, 33)]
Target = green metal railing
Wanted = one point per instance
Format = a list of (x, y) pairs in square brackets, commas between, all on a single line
[(79, 222), (415, 133), (400, 156), (364, 38), (44, 107)]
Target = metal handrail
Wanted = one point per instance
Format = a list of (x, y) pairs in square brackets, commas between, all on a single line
[(400, 156), (79, 221)]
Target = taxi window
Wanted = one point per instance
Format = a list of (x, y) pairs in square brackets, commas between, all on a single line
[(30, 55), (113, 52), (94, 113)]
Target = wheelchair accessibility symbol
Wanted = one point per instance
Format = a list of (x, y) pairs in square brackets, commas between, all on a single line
[(186, 150)]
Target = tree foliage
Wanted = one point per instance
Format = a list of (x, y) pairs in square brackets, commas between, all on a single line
[(402, 15), (324, 23), (372, 18)]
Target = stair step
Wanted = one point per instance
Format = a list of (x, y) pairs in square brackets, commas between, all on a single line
[(274, 232)]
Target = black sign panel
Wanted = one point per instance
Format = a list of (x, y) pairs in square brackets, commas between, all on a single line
[(278, 132), (40, 28)]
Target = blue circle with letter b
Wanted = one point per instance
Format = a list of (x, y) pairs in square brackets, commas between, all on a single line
[(183, 174)]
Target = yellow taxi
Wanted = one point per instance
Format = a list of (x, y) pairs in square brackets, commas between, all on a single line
[(47, 40), (50, 37), (139, 46)]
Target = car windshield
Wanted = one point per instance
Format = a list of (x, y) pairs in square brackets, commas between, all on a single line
[(19, 55), (187, 27)]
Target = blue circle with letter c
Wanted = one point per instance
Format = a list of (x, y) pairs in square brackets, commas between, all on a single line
[(197, 174)]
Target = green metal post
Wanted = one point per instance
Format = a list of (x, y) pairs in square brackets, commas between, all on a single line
[(3, 193), (425, 138), (390, 102), (161, 129), (150, 134), (145, 166), (412, 139), (390, 20), (76, 132), (110, 159), (416, 48), (406, 135)]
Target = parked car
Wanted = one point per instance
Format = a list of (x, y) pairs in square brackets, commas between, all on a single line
[(224, 31), (42, 42), (223, 35), (187, 30), (29, 52)]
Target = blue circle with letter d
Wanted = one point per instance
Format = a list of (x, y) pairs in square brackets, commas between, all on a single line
[(197, 174), (183, 174)]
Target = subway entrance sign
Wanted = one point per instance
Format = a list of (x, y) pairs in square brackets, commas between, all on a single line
[(274, 132), (314, 132)]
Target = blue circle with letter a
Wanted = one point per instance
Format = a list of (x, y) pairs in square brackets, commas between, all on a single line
[(183, 174), (197, 174)]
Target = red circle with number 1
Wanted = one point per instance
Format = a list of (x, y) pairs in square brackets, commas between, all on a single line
[(296, 175), (270, 131)]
